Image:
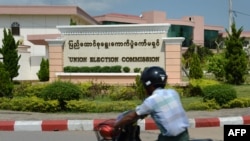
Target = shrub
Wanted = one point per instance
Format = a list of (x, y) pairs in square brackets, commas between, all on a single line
[(5, 103), (216, 66), (126, 69), (203, 82), (71, 69), (121, 106), (92, 90), (122, 93), (136, 70), (43, 73), (116, 68), (106, 69), (61, 91), (84, 69), (139, 89), (99, 107), (85, 89), (195, 91), (20, 89), (98, 69), (88, 106), (98, 90), (238, 103), (222, 93), (28, 89), (200, 105), (31, 104), (196, 85)]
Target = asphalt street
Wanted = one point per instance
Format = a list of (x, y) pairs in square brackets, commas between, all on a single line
[(215, 133)]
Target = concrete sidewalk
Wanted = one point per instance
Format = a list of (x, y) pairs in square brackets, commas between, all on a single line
[(17, 115)]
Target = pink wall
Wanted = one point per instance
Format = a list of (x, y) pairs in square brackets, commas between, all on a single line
[(172, 66), (197, 22)]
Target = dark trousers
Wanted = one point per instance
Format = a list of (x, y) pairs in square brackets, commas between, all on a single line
[(184, 136)]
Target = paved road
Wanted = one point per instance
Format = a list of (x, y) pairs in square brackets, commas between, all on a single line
[(216, 133), (84, 136)]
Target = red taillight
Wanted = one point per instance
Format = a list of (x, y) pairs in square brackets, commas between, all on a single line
[(106, 129)]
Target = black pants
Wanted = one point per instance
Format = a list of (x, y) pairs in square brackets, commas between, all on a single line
[(184, 136)]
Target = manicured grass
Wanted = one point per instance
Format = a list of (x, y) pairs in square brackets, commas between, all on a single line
[(187, 100), (243, 90)]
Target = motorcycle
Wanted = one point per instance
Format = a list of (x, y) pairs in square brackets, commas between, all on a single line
[(104, 131)]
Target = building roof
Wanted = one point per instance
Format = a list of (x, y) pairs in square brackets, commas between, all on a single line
[(46, 10), (40, 39), (116, 17), (151, 17)]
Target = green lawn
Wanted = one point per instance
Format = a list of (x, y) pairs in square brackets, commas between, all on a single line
[(187, 100), (243, 90)]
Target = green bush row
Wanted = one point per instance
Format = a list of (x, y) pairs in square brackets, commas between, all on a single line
[(100, 69), (100, 107), (35, 104), (31, 104), (213, 105), (63, 92)]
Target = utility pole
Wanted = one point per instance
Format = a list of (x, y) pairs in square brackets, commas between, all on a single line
[(230, 15)]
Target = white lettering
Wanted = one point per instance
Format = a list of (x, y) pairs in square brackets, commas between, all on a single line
[(231, 132), (235, 132), (243, 131)]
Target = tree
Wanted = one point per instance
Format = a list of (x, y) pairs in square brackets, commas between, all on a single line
[(195, 71), (43, 73), (10, 54), (202, 52), (216, 66), (219, 43), (236, 64), (6, 86), (72, 22)]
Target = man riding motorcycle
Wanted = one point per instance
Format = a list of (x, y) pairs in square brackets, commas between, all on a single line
[(164, 106)]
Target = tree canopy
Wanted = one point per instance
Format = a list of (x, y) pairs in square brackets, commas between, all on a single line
[(236, 64), (10, 54)]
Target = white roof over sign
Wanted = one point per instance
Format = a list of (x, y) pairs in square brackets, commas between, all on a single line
[(114, 29)]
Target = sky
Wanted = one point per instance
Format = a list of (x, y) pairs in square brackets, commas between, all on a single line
[(215, 12)]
